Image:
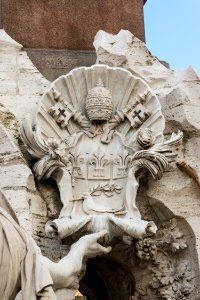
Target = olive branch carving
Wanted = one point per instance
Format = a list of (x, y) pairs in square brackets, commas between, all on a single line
[(108, 188)]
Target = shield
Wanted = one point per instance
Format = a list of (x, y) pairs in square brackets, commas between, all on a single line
[(95, 127)]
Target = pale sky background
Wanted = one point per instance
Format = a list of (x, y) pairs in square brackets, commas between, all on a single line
[(173, 31)]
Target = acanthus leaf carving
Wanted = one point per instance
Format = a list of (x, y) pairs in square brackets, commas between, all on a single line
[(170, 274)]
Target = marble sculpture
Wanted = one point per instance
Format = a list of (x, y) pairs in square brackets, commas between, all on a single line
[(24, 268), (95, 132)]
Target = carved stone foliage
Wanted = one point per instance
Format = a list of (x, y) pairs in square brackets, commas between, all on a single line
[(95, 129), (163, 267), (158, 267)]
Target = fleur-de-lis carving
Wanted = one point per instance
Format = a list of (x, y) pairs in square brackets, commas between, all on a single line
[(76, 161), (123, 161), (99, 160)]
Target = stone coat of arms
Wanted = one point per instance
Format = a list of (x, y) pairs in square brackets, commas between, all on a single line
[(95, 131)]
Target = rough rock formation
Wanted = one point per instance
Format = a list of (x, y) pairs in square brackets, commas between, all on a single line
[(178, 91), (177, 193), (21, 86)]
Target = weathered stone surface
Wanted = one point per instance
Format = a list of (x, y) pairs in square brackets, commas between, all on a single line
[(177, 193), (124, 50), (21, 85), (69, 24), (178, 91), (16, 179), (127, 51)]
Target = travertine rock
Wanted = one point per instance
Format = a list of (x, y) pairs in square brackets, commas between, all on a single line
[(16, 179), (21, 85), (178, 91), (177, 193), (127, 51)]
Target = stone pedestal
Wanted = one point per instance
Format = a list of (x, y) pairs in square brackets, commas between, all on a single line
[(69, 24), (59, 35), (53, 63)]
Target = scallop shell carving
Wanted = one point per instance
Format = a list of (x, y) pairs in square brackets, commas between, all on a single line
[(74, 87)]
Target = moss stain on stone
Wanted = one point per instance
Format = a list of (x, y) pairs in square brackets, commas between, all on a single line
[(6, 118)]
